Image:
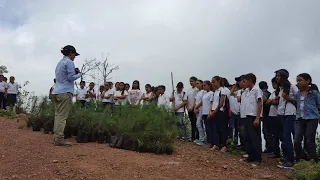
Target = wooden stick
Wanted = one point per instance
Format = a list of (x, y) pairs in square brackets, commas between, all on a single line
[(173, 102)]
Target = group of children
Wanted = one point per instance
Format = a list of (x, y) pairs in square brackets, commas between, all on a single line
[(8, 92), (219, 111)]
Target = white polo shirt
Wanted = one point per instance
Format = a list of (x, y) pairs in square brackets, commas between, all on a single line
[(206, 102), (242, 94), (215, 99), (106, 94), (3, 86), (234, 104), (12, 88), (81, 94), (164, 100), (252, 96), (198, 99), (191, 94), (273, 108), (284, 107), (179, 98), (121, 101)]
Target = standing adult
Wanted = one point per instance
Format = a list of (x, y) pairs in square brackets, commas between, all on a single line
[(3, 87), (66, 74), (191, 94)]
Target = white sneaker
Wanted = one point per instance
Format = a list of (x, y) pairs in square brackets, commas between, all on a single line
[(245, 155)]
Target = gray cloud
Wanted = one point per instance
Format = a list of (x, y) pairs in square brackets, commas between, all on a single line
[(149, 39)]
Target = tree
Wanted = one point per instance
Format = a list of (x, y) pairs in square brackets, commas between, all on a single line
[(3, 69), (106, 69), (87, 67)]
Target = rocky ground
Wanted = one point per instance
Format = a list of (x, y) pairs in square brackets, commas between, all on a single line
[(31, 155)]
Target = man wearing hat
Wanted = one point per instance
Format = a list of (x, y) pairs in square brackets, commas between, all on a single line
[(66, 74)]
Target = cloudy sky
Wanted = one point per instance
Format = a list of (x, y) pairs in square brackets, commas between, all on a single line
[(148, 39)]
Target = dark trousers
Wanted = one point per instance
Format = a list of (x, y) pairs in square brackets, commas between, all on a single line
[(287, 144), (253, 138), (2, 101), (241, 132), (267, 133), (193, 121), (234, 127), (277, 131), (307, 129), (220, 129), (209, 129)]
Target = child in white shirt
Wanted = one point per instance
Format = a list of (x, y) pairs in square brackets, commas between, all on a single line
[(180, 100), (81, 94), (120, 96), (207, 95), (135, 93), (198, 111), (163, 99), (253, 113)]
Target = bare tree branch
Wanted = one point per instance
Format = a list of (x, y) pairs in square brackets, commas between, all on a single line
[(105, 68)]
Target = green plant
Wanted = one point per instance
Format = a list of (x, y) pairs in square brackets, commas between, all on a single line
[(7, 113), (305, 171)]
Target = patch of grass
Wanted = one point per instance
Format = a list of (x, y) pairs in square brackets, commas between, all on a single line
[(305, 171)]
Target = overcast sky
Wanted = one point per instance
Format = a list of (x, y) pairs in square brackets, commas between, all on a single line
[(150, 38)]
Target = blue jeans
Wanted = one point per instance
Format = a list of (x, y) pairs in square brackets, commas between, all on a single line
[(200, 127), (181, 124), (287, 144)]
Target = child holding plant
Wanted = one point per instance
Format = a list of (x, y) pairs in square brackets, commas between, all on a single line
[(91, 93), (308, 105)]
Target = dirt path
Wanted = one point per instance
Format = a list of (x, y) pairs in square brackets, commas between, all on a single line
[(31, 155)]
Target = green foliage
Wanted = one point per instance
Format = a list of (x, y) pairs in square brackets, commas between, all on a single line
[(7, 113), (152, 127), (305, 171)]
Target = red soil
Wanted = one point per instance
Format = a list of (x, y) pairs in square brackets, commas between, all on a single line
[(31, 155)]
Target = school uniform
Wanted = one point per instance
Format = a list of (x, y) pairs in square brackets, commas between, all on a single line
[(306, 124), (235, 117), (3, 87), (163, 101), (199, 124), (191, 94), (81, 96), (266, 124), (253, 134), (149, 96), (220, 119), (178, 100), (91, 99), (207, 122), (12, 93), (242, 94), (277, 127), (287, 112), (121, 101)]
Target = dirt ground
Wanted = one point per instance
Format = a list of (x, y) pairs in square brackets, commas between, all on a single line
[(31, 155)]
